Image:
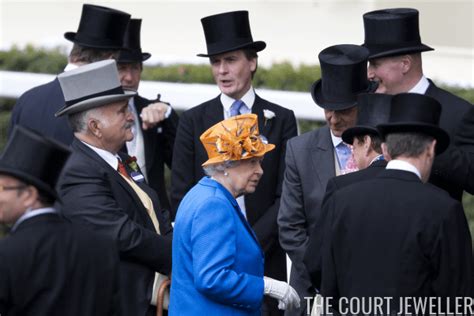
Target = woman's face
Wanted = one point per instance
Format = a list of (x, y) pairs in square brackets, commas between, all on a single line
[(244, 177)]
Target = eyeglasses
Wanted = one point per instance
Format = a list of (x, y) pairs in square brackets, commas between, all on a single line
[(7, 188)]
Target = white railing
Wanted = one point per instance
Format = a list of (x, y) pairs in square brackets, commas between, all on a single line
[(181, 95)]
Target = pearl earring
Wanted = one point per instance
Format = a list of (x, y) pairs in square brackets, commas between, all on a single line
[(226, 174)]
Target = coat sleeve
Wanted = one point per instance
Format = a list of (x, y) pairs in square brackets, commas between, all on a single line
[(292, 221), (88, 198), (182, 173), (167, 137), (464, 140), (313, 254), (266, 227), (452, 255), (4, 285), (213, 242)]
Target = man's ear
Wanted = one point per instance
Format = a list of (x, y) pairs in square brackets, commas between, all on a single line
[(432, 149), (367, 145), (407, 63), (385, 152)]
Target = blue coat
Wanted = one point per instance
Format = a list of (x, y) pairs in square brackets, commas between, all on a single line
[(217, 260)]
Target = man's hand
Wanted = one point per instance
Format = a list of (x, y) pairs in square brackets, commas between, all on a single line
[(153, 114)]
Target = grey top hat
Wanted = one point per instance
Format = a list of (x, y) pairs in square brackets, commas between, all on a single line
[(91, 86)]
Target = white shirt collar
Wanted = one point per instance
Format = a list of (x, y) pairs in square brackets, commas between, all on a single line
[(248, 99), (378, 157), (403, 165), (109, 158), (32, 213), (70, 66), (335, 140), (421, 86)]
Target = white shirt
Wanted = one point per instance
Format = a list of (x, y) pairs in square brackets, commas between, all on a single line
[(248, 99), (136, 147), (109, 158), (335, 140), (421, 86), (32, 213), (403, 165)]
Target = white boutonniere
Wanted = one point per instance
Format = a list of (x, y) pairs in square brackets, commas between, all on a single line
[(268, 115)]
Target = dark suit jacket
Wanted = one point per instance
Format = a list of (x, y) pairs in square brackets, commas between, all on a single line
[(312, 257), (309, 166), (262, 205), (465, 142), (96, 195), (159, 142), (35, 109), (50, 267), (449, 170), (394, 236)]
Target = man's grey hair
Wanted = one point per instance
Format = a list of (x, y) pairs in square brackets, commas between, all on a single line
[(78, 121), (407, 144), (211, 170), (88, 55)]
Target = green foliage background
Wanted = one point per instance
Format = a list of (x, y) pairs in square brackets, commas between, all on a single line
[(281, 76)]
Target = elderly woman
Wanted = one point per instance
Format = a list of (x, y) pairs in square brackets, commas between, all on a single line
[(217, 260)]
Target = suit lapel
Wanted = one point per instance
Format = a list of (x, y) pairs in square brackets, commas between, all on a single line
[(214, 112), (258, 108), (322, 155), (114, 177)]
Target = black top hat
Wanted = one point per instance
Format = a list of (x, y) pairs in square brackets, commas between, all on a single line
[(100, 28), (373, 109), (343, 77), (226, 32), (34, 159), (392, 32), (131, 42), (416, 113)]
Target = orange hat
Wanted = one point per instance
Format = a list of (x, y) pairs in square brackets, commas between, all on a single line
[(236, 138)]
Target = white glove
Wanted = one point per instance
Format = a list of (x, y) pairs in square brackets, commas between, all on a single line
[(283, 292)]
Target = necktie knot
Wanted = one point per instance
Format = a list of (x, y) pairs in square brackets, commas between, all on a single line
[(235, 107)]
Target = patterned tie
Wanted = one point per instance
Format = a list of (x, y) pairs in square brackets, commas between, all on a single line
[(121, 169), (235, 107)]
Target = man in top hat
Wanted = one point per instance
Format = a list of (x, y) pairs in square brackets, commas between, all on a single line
[(315, 157), (233, 57), (395, 63), (417, 242), (152, 144), (99, 36), (105, 190), (47, 265), (373, 109)]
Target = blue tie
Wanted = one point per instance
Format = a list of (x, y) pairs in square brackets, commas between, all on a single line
[(235, 107), (343, 154)]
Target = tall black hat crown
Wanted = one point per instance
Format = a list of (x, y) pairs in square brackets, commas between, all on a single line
[(34, 159), (391, 32), (100, 28), (226, 32)]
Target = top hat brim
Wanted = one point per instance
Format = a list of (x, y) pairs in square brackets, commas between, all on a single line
[(349, 134), (94, 102), (319, 99), (72, 36), (378, 52), (29, 179), (128, 57), (441, 136), (258, 46)]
